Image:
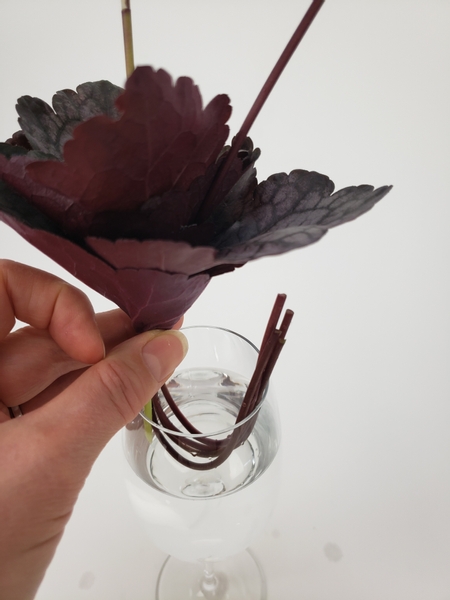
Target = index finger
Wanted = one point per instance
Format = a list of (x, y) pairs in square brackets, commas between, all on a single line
[(47, 302)]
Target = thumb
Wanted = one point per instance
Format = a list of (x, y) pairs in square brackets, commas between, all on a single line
[(49, 452), (83, 418)]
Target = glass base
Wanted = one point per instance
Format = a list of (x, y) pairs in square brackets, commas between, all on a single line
[(239, 577)]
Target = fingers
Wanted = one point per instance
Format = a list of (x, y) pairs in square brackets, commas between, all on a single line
[(4, 413), (78, 423), (30, 360), (48, 303)]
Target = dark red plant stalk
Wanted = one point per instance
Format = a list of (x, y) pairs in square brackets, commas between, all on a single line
[(267, 88), (215, 451)]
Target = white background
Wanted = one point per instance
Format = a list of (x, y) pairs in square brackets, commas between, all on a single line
[(363, 384)]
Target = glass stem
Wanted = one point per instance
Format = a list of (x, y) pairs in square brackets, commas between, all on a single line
[(212, 585)]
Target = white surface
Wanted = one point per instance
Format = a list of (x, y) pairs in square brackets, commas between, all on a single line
[(363, 383)]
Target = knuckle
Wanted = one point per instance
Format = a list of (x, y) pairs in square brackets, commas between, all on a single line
[(123, 387)]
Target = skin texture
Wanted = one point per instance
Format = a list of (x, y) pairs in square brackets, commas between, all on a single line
[(79, 378)]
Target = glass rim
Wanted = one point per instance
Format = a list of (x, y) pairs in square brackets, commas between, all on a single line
[(219, 432)]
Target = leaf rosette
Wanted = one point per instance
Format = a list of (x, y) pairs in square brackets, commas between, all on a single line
[(115, 186)]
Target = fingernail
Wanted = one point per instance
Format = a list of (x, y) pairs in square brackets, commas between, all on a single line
[(164, 353)]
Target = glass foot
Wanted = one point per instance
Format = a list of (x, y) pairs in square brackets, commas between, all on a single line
[(239, 577)]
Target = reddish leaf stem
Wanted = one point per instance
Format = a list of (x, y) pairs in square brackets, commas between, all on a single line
[(267, 88), (274, 317), (200, 446), (177, 412), (205, 447)]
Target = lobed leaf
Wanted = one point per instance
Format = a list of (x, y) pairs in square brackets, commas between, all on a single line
[(280, 202), (47, 129), (348, 204), (152, 298), (271, 243), (13, 207), (164, 255), (62, 210), (162, 141), (125, 210), (293, 211)]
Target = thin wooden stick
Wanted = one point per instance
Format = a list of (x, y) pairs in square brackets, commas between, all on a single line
[(127, 37)]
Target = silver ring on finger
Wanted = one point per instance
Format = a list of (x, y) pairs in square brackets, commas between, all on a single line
[(15, 411)]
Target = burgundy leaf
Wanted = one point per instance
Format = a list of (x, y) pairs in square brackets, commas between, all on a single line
[(271, 243), (14, 208), (13, 171), (300, 199), (348, 204), (279, 202), (148, 204), (48, 130), (18, 140), (163, 141), (238, 199), (153, 299), (173, 214), (164, 255)]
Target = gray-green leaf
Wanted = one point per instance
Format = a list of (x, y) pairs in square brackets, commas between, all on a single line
[(49, 129)]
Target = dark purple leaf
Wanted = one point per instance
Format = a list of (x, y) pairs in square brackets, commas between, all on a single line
[(13, 171), (14, 208), (152, 298), (125, 210), (271, 243), (278, 203), (163, 141), (239, 199), (48, 130), (172, 215), (348, 204), (293, 211), (18, 141), (164, 255)]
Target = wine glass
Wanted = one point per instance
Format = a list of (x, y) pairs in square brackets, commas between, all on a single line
[(206, 517)]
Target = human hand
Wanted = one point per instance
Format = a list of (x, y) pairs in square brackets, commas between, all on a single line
[(73, 398)]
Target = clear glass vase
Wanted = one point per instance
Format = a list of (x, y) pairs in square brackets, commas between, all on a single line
[(206, 517)]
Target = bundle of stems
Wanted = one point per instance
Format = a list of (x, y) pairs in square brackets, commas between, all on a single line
[(213, 452)]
